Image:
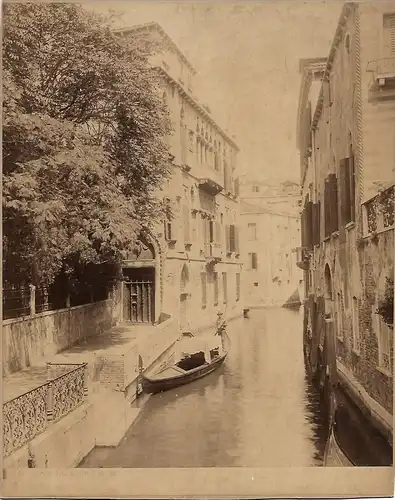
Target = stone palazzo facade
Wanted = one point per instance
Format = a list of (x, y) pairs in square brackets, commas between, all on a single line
[(346, 139), (190, 268)]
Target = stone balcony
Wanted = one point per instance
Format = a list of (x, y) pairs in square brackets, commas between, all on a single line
[(210, 179), (302, 258), (213, 252)]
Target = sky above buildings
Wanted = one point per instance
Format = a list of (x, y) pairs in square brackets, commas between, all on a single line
[(247, 56)]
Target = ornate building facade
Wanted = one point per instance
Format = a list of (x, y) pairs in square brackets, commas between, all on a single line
[(346, 139), (270, 230), (191, 268)]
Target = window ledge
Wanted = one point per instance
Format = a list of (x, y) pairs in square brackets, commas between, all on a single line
[(350, 225), (384, 371)]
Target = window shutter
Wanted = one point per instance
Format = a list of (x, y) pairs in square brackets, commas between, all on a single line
[(333, 215), (211, 231), (389, 34), (342, 189), (347, 190), (232, 238), (254, 263), (237, 248), (227, 237), (327, 208), (392, 33), (317, 223), (352, 187), (309, 225)]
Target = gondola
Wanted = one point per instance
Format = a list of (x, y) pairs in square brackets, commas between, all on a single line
[(190, 358), (334, 455)]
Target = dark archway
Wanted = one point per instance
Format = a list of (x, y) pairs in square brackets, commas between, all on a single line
[(139, 280)]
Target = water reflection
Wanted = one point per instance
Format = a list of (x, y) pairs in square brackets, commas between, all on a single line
[(259, 409)]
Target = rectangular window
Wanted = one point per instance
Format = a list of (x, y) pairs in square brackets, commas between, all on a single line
[(203, 279), (237, 287), (253, 258), (225, 287), (252, 231), (255, 189), (355, 325), (216, 293)]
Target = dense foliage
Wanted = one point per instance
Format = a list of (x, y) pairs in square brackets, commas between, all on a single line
[(83, 141), (386, 304)]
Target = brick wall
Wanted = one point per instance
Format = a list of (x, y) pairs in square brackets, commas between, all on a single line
[(356, 269)]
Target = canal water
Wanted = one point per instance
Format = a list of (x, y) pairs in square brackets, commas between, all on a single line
[(259, 409)]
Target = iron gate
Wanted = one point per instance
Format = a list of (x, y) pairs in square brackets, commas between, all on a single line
[(139, 300)]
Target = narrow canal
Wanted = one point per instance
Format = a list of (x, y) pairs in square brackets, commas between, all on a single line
[(258, 410)]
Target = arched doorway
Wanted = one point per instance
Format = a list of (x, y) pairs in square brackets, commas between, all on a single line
[(184, 297), (138, 272)]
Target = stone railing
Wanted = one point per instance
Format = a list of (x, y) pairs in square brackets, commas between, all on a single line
[(29, 414), (378, 212)]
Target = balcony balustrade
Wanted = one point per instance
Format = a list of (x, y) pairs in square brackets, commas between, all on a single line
[(378, 212), (213, 252), (209, 179)]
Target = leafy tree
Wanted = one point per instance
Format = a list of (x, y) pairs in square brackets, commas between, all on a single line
[(83, 141)]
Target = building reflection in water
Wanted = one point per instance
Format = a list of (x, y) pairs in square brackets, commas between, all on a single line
[(258, 409)]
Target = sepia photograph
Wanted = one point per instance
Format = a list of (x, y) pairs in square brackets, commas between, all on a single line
[(198, 248)]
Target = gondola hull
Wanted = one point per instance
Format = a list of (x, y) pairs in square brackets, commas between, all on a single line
[(334, 456), (153, 385)]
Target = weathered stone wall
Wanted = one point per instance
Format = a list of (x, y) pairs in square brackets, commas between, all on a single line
[(350, 124), (31, 340)]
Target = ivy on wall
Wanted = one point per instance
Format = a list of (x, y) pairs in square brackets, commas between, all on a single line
[(386, 304)]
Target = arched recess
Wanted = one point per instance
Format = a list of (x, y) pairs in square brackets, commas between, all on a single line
[(142, 292)]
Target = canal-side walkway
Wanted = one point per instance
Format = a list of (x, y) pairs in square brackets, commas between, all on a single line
[(115, 342), (66, 422)]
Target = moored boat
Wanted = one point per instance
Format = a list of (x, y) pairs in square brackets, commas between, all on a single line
[(189, 359), (334, 455)]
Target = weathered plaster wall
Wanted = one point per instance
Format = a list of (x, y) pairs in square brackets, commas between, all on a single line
[(31, 340)]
